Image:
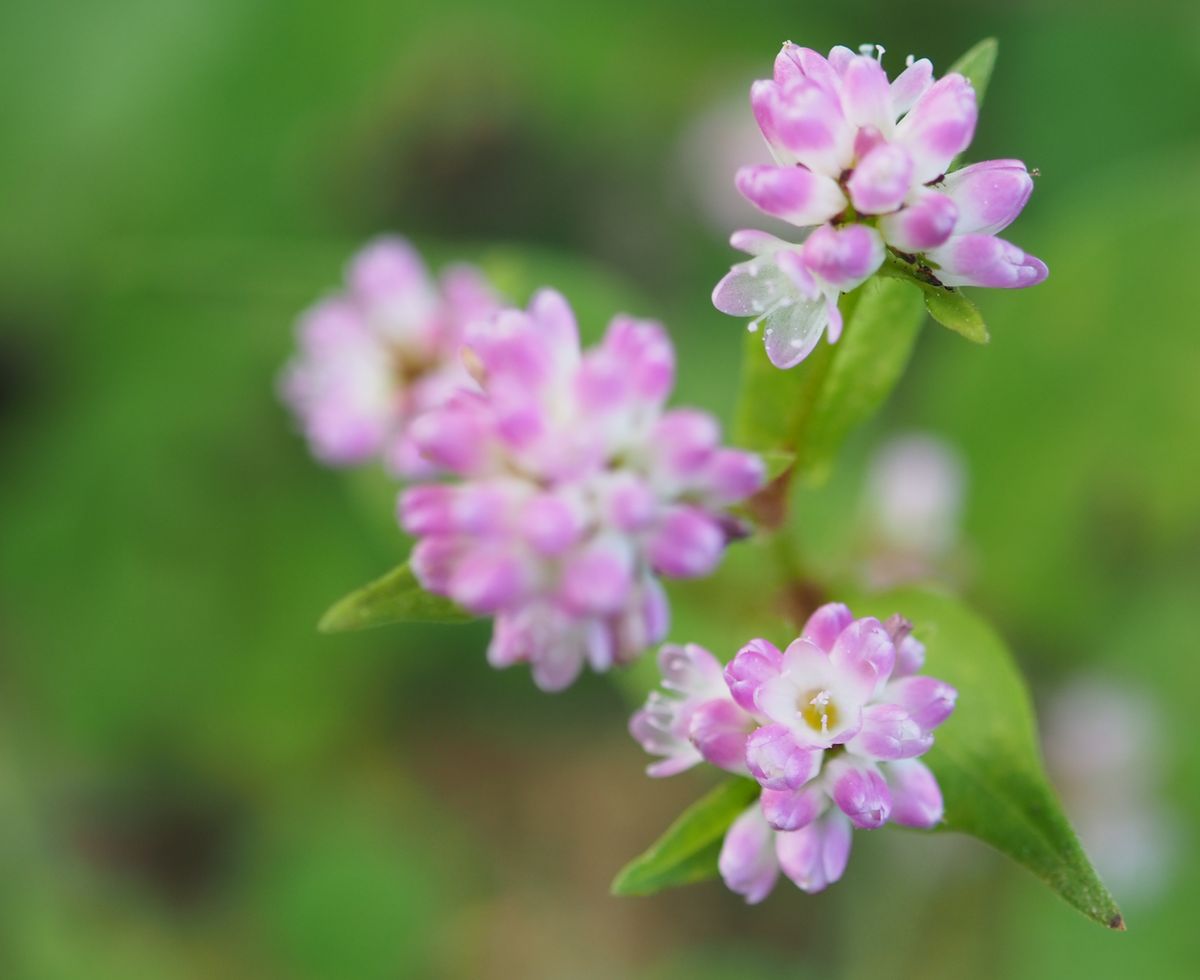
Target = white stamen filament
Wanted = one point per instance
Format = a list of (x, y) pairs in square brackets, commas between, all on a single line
[(821, 702)]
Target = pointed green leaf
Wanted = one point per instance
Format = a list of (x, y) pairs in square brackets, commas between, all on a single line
[(688, 851), (986, 755), (395, 598), (777, 463), (871, 357), (977, 65), (954, 311), (949, 307), (810, 409)]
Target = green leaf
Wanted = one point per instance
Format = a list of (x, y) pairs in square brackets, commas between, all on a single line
[(395, 598), (688, 851), (949, 307), (810, 409), (977, 65), (871, 357), (986, 755), (954, 311), (772, 404), (777, 463)]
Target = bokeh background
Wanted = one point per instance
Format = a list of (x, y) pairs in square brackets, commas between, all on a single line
[(194, 784)]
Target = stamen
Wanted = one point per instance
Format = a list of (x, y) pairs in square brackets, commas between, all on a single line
[(819, 712)]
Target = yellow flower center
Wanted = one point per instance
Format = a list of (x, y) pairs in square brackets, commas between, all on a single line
[(817, 709)]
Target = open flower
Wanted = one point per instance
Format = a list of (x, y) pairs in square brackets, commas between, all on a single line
[(831, 728), (376, 355), (578, 490), (861, 166)]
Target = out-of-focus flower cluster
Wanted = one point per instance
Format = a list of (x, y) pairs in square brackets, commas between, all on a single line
[(376, 355), (831, 729), (861, 165), (1108, 754), (577, 492), (912, 511)]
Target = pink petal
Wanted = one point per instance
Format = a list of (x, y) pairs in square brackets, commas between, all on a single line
[(488, 580), (791, 193), (808, 124), (815, 857), (939, 126), (685, 439), (844, 257), (916, 796), (860, 792), (888, 733), (691, 670), (791, 809), (552, 522), (988, 195), (754, 242), (926, 699), (747, 861), (826, 624), (756, 663), (984, 260), (864, 655), (777, 760), (924, 224), (733, 475), (597, 578), (910, 85), (718, 729), (882, 179), (388, 267), (687, 543), (866, 94)]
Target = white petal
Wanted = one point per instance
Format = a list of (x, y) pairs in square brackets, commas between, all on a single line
[(793, 328)]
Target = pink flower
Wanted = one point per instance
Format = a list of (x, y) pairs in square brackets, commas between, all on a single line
[(695, 719), (844, 697), (376, 355), (577, 490), (863, 161), (831, 728)]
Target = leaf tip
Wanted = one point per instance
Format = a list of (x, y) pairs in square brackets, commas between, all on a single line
[(331, 621), (341, 617), (1117, 923), (621, 887)]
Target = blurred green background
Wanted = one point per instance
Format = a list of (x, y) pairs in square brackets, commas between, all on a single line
[(193, 783)]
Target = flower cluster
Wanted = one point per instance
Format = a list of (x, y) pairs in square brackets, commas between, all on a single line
[(831, 730), (376, 355), (861, 164), (578, 490)]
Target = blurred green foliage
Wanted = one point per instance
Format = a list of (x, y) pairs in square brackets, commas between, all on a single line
[(193, 783)]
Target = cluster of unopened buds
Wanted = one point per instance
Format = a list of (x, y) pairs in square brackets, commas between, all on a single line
[(578, 490), (863, 166), (831, 729)]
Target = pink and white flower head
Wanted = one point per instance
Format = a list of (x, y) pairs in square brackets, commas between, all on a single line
[(376, 355), (830, 728), (578, 490), (863, 161)]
